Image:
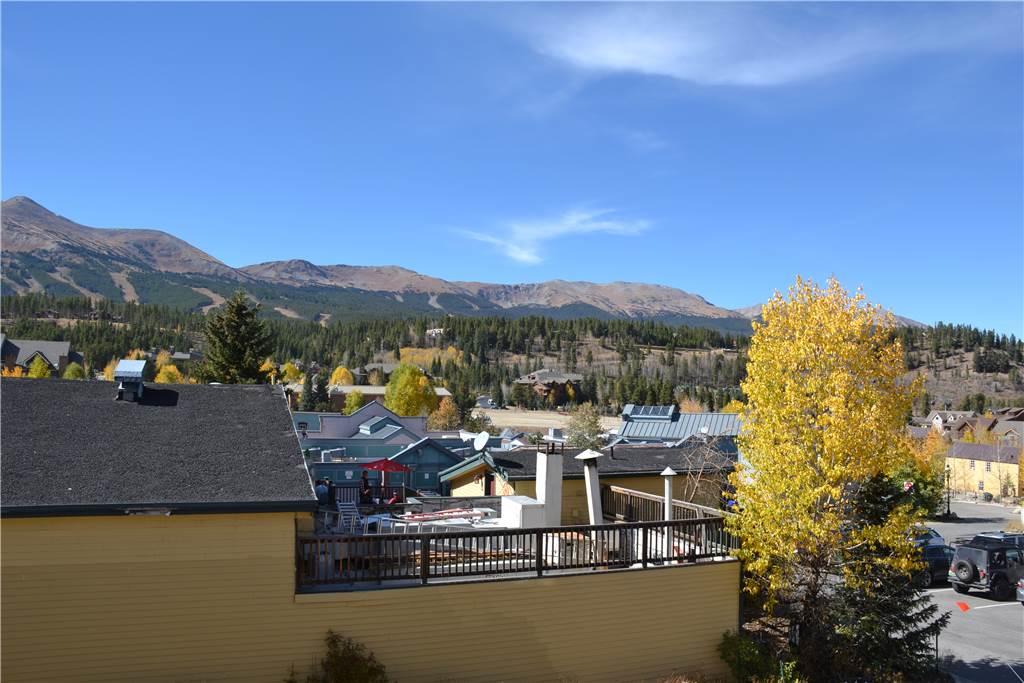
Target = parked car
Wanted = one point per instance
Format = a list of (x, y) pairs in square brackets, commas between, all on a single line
[(926, 536), (938, 559), (1005, 537), (987, 565)]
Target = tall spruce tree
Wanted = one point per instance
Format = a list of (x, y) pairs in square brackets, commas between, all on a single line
[(308, 400), (321, 397), (237, 342), (884, 624)]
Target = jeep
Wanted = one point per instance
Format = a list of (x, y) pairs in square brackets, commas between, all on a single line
[(987, 565)]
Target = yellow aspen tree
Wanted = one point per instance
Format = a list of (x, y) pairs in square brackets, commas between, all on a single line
[(169, 374), (445, 417), (826, 412), (342, 375), (163, 358), (39, 369)]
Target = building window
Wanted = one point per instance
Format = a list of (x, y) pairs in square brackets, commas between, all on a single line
[(988, 467), (981, 486), (972, 464)]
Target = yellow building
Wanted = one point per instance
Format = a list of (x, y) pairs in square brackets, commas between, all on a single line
[(983, 468), (156, 541), (701, 467)]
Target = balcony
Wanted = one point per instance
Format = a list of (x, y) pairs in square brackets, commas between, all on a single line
[(347, 562)]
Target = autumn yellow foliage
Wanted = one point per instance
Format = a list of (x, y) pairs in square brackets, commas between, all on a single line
[(342, 375), (290, 373), (425, 357), (409, 392), (108, 370), (269, 370), (163, 358), (733, 406), (16, 371), (688, 405), (826, 410), (169, 374), (445, 417)]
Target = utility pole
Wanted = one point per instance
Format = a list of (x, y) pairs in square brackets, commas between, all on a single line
[(947, 492)]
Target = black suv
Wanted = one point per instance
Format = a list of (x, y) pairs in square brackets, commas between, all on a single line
[(988, 565), (937, 558)]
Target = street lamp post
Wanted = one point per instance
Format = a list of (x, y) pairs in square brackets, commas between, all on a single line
[(947, 491)]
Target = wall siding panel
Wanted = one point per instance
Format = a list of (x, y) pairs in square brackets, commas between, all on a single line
[(211, 598)]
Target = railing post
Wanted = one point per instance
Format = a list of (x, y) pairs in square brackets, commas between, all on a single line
[(643, 548), (539, 551), (424, 559)]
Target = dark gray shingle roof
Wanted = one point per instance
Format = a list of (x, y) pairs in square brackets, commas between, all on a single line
[(984, 452), (69, 447)]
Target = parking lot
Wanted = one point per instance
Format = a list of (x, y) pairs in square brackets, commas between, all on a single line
[(985, 643)]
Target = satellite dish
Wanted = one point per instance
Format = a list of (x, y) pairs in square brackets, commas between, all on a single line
[(480, 441)]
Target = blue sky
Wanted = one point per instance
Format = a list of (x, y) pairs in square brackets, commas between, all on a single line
[(721, 149)]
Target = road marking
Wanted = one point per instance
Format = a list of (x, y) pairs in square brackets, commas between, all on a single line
[(1015, 673), (1002, 604)]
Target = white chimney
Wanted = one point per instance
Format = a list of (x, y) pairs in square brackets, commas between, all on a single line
[(549, 484), (589, 458)]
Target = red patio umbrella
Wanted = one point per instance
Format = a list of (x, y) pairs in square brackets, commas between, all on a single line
[(386, 465)]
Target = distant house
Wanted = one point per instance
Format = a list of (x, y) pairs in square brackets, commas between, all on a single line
[(178, 357), (946, 421), (339, 446), (983, 468), (1009, 432), (22, 352), (665, 424), (501, 473), (551, 385)]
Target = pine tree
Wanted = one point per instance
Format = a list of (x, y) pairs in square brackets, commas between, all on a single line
[(237, 342), (321, 397), (884, 624), (307, 402)]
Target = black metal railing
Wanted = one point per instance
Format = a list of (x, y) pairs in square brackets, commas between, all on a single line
[(378, 495), (637, 506), (426, 557)]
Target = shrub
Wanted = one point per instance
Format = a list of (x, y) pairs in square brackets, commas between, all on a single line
[(748, 660), (346, 661)]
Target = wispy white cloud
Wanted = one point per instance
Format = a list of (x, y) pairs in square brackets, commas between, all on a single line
[(524, 241), (758, 44)]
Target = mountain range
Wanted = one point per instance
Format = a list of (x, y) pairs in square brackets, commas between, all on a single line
[(46, 252)]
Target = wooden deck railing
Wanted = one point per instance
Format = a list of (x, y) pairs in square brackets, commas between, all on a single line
[(326, 560), (637, 506)]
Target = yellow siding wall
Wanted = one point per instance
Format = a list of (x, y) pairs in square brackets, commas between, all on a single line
[(468, 485), (211, 598), (963, 479)]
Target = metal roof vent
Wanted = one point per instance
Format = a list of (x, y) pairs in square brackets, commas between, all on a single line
[(128, 374)]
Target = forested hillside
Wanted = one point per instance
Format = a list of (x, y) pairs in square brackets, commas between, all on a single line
[(621, 361)]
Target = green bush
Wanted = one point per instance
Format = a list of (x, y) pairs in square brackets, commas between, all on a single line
[(748, 660), (346, 661)]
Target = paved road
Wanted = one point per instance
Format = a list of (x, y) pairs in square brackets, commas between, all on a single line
[(986, 643)]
